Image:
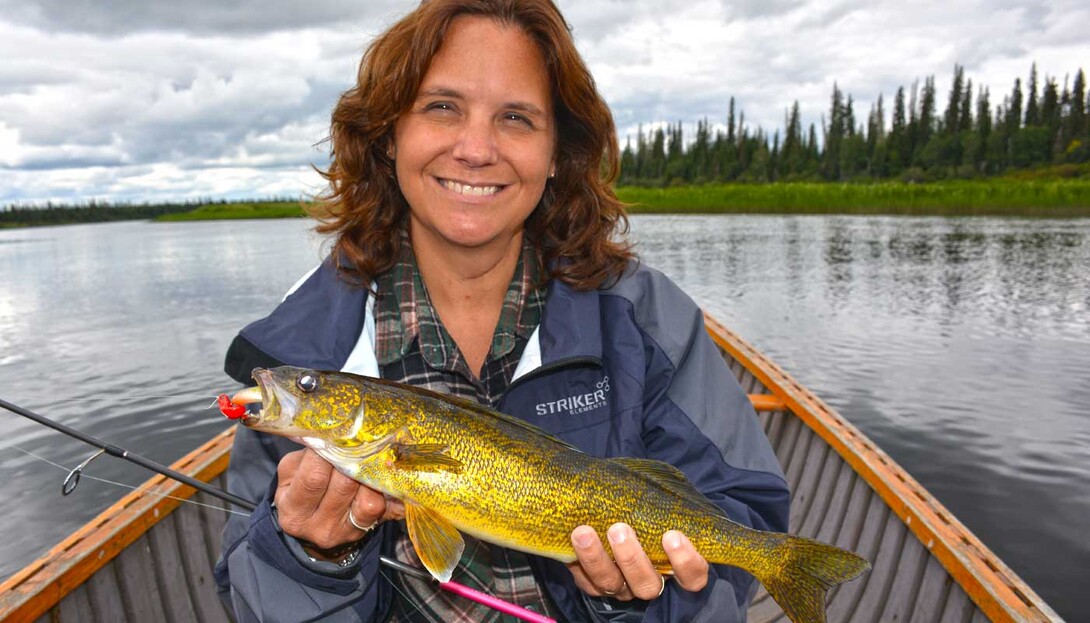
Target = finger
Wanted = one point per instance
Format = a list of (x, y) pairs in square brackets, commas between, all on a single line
[(368, 508), (312, 477), (582, 581), (690, 568), (643, 581), (595, 568), (285, 470), (303, 477), (299, 501), (395, 509), (340, 492)]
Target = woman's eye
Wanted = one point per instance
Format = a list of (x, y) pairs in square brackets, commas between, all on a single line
[(441, 106), (518, 119)]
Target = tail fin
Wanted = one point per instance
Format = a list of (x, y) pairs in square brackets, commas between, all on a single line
[(810, 569)]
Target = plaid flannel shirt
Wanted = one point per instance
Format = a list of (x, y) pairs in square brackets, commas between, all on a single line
[(413, 347)]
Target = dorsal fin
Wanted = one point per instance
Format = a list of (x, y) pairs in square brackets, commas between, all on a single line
[(661, 472), (670, 478), (468, 405)]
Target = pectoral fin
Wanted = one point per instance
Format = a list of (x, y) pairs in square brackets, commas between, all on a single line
[(425, 457), (437, 542)]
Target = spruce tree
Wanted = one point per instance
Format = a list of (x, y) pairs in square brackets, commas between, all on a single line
[(926, 121), (834, 136), (1050, 117), (813, 151), (1033, 115), (791, 157), (1014, 108), (730, 123), (966, 123), (952, 118), (983, 131), (628, 164), (1079, 114), (898, 134), (658, 156)]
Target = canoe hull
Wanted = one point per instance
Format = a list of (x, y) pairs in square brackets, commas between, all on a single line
[(146, 556)]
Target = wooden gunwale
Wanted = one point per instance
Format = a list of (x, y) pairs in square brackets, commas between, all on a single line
[(38, 587), (994, 588)]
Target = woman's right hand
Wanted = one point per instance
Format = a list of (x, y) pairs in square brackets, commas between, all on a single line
[(313, 501)]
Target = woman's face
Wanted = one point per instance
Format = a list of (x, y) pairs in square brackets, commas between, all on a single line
[(475, 149)]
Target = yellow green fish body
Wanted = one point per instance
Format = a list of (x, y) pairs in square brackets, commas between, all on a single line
[(458, 466)]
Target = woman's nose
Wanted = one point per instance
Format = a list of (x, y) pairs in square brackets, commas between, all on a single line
[(476, 145)]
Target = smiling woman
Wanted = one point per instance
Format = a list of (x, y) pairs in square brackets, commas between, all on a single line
[(472, 161), (479, 251), (405, 71)]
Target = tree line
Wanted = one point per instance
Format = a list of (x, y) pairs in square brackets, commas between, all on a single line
[(91, 212), (1037, 124)]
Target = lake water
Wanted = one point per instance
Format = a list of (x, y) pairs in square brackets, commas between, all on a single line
[(960, 345)]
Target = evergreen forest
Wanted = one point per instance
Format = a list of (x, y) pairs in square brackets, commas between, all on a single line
[(1038, 123)]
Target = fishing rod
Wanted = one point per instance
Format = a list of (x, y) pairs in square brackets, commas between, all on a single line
[(73, 477)]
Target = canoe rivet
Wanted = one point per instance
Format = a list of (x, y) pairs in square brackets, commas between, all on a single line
[(930, 543), (156, 513), (101, 554), (908, 520)]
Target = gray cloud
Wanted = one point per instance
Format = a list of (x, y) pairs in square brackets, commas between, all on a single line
[(201, 17), (138, 100), (753, 9)]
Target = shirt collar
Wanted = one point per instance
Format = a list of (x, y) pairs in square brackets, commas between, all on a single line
[(404, 311)]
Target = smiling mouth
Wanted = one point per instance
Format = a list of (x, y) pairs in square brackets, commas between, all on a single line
[(469, 190)]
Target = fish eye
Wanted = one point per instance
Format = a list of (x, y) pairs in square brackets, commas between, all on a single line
[(307, 382)]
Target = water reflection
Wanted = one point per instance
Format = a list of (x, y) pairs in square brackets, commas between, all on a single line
[(960, 345)]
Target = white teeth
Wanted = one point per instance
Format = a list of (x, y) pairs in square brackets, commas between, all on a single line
[(472, 191)]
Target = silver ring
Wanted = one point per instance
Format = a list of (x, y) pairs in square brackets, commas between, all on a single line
[(663, 578), (357, 526), (624, 583)]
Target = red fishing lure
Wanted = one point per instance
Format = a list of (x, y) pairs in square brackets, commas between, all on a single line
[(230, 409)]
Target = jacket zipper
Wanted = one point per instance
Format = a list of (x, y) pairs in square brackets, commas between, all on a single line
[(552, 367)]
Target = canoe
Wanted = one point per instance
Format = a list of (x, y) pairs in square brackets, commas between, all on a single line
[(149, 557)]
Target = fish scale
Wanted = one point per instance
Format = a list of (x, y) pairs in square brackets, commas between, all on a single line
[(461, 467)]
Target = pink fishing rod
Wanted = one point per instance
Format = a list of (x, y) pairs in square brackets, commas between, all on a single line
[(474, 595)]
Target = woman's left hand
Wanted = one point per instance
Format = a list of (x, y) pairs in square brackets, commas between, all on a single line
[(630, 574)]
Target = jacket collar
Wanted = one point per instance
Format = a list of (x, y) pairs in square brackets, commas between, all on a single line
[(327, 323), (570, 324)]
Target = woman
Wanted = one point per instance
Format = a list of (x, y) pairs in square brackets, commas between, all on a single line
[(476, 244)]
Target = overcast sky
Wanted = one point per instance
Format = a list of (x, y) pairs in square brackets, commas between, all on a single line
[(158, 100)]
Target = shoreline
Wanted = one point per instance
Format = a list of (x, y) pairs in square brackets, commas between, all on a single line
[(1046, 198)]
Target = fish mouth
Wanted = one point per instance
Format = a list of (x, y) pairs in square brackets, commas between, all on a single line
[(266, 393)]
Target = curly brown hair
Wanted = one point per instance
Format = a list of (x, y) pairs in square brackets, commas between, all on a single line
[(579, 225)]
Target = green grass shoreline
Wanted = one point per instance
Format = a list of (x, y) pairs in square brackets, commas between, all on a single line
[(1052, 198), (997, 197), (1042, 198)]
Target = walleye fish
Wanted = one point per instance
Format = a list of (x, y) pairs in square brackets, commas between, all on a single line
[(459, 466)]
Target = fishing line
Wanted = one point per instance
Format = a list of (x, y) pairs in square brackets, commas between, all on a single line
[(397, 588), (451, 586), (122, 453), (128, 486), (115, 399)]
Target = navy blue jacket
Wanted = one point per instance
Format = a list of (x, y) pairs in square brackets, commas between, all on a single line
[(627, 370)]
